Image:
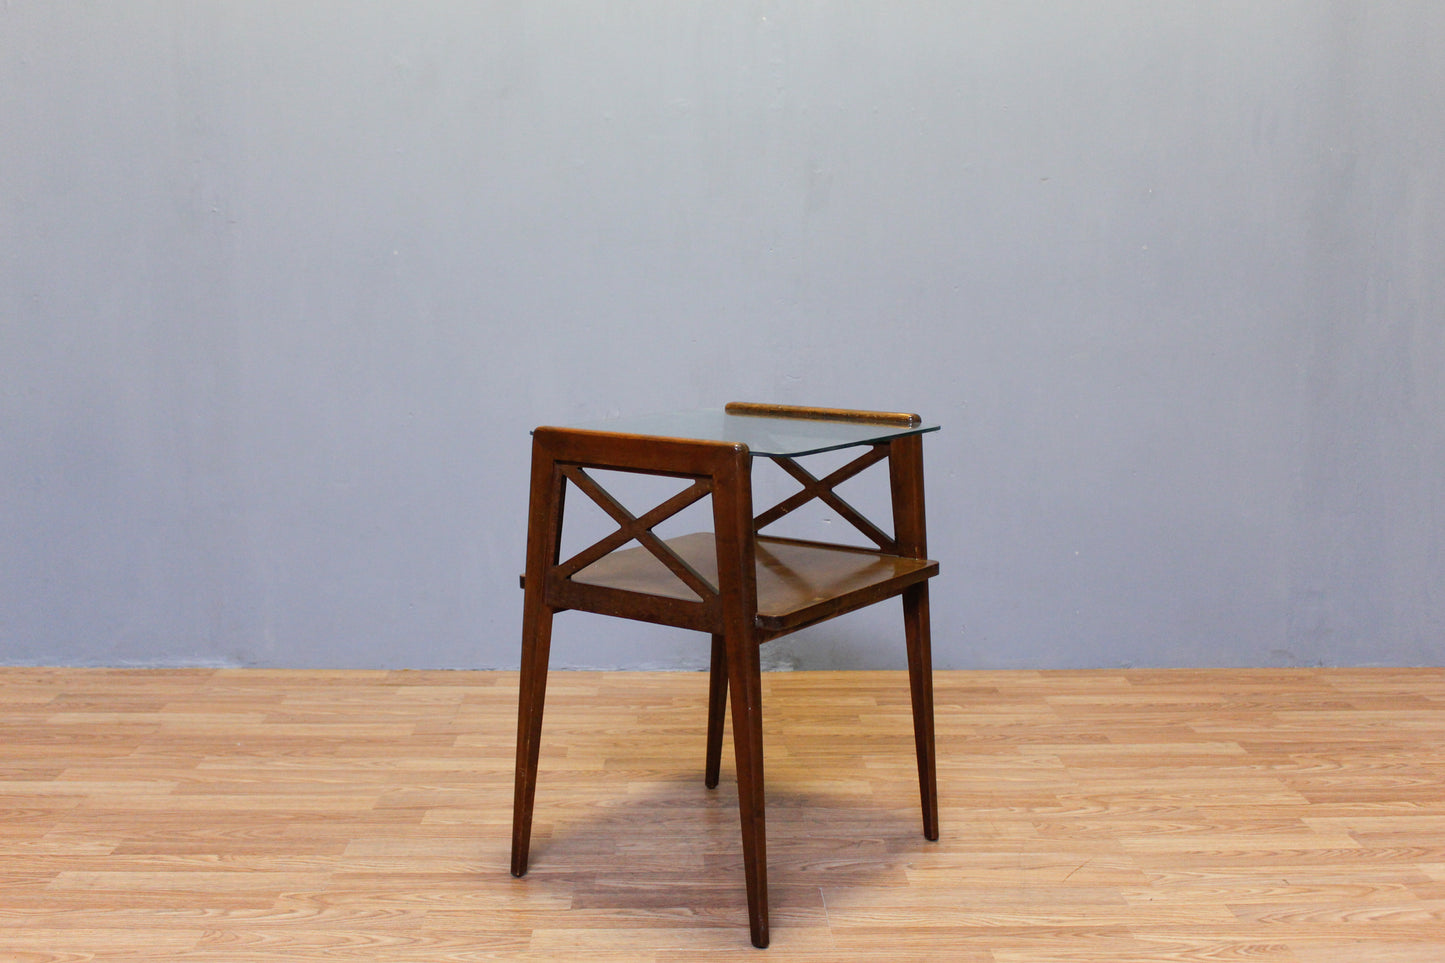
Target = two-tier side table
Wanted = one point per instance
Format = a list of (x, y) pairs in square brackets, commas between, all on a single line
[(742, 587)]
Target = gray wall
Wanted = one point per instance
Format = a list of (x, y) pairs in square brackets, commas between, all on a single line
[(284, 285)]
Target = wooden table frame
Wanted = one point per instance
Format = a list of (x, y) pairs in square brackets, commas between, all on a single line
[(741, 587)]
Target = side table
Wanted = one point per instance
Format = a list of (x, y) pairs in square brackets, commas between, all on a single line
[(742, 587)]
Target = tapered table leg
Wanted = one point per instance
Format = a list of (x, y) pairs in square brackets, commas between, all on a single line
[(717, 694), (745, 683), (905, 467), (537, 636), (920, 682), (544, 538)]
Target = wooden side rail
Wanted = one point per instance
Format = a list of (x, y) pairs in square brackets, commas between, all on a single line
[(763, 410)]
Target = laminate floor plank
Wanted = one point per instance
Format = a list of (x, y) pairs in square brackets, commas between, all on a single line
[(1281, 816)]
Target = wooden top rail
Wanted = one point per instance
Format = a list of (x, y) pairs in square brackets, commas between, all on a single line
[(761, 410)]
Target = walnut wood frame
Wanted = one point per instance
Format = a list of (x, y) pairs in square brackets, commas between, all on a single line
[(722, 596)]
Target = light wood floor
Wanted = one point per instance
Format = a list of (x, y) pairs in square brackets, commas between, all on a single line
[(1281, 815)]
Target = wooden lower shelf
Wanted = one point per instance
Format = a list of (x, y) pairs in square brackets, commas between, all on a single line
[(799, 582)]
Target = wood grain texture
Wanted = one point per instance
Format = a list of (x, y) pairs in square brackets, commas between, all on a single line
[(798, 582), (1274, 815), (765, 410)]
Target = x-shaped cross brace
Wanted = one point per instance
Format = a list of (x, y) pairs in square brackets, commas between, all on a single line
[(634, 527), (814, 487)]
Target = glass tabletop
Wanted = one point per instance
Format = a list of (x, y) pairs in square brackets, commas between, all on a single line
[(772, 437)]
